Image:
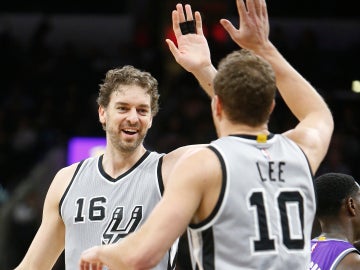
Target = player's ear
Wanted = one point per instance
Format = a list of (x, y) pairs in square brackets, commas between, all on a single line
[(102, 114), (216, 105), (272, 106), (350, 206), (150, 122)]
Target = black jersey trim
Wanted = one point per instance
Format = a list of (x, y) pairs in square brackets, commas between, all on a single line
[(208, 249), (307, 160), (159, 175), (183, 255), (111, 179), (222, 191), (251, 137), (171, 265), (311, 173), (69, 185)]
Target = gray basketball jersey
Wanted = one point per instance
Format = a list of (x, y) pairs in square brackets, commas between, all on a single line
[(264, 216), (98, 209)]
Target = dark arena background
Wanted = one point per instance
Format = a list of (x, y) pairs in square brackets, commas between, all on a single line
[(54, 54)]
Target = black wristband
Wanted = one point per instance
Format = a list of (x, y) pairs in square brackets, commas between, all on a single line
[(188, 27)]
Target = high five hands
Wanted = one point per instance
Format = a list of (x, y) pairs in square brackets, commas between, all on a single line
[(192, 50)]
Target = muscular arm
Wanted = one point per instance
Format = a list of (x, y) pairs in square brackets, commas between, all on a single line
[(313, 132), (48, 242)]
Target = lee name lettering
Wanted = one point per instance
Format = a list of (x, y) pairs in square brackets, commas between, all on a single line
[(271, 171)]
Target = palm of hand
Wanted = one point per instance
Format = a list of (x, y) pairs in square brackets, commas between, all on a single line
[(194, 52)]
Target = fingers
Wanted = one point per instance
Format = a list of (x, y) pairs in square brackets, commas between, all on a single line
[(255, 7), (189, 15), (185, 20), (252, 6), (173, 49), (188, 12), (99, 266), (176, 23), (264, 12), (229, 27), (90, 259), (180, 10), (84, 265), (198, 21), (241, 8), (91, 266)]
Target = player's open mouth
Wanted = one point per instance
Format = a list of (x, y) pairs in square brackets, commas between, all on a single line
[(130, 131)]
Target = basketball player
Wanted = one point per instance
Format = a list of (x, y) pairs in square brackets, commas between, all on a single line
[(338, 212), (248, 198), (102, 199)]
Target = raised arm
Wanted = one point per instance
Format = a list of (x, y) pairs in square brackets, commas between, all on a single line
[(192, 50), (313, 132)]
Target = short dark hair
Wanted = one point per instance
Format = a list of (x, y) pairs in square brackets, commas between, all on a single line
[(332, 189), (245, 83)]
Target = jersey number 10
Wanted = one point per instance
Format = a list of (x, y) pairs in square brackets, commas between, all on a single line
[(265, 243)]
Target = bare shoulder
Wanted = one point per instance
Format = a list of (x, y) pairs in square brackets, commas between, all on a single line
[(174, 156), (202, 162), (350, 262), (62, 180), (184, 150), (200, 169)]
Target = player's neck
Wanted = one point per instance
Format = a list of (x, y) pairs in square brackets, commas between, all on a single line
[(337, 228), (116, 163), (243, 129), (339, 236)]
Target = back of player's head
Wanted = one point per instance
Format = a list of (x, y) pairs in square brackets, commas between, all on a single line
[(332, 189), (245, 83)]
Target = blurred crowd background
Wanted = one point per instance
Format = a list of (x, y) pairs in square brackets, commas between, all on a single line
[(53, 56)]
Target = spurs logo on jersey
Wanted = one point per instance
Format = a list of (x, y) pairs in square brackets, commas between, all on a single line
[(114, 231), (99, 209)]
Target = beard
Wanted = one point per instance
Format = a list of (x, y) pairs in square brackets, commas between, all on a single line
[(123, 144)]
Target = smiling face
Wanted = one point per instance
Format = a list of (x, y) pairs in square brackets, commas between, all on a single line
[(127, 118)]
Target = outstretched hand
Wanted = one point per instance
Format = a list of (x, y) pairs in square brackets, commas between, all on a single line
[(192, 51), (253, 31)]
